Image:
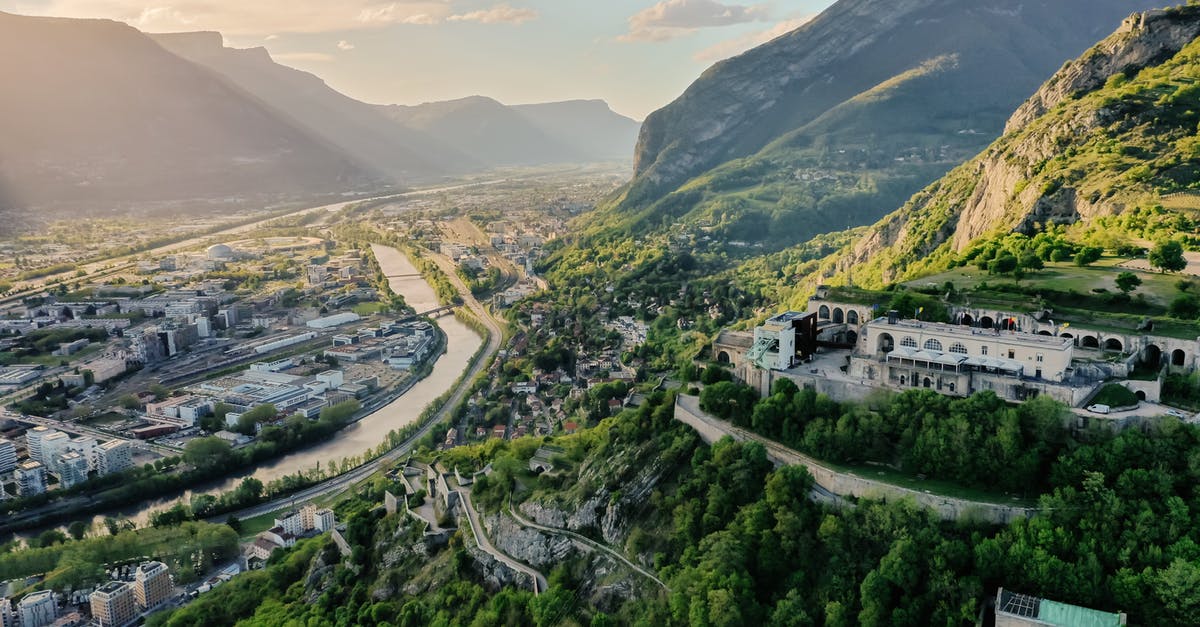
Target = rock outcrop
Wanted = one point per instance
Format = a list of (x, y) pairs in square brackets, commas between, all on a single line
[(1144, 39), (539, 550), (1024, 178), (599, 513)]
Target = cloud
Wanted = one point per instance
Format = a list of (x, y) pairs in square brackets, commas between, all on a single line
[(261, 18), (671, 18), (501, 13), (737, 45), (345, 45)]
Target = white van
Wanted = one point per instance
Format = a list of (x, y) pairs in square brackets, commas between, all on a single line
[(1099, 409)]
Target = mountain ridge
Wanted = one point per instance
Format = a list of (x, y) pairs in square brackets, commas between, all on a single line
[(1106, 141)]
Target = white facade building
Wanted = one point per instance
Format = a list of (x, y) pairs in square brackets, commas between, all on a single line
[(37, 609), (72, 469), (113, 456), (31, 478), (8, 455)]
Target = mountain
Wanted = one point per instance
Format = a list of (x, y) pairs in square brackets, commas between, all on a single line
[(1107, 145), (840, 121), (95, 111), (501, 135), (484, 128), (589, 127), (361, 130), (99, 114)]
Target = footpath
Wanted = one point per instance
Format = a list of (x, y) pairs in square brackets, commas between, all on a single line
[(835, 484)]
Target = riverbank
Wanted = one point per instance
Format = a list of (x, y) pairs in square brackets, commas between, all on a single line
[(388, 422)]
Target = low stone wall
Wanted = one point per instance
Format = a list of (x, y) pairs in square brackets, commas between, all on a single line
[(845, 484)]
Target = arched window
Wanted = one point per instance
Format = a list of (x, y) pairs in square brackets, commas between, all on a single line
[(933, 345), (852, 317), (957, 347), (909, 342), (823, 313)]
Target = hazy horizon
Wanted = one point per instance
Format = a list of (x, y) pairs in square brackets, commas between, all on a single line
[(635, 55)]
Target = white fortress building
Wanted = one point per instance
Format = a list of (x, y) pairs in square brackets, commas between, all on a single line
[(959, 360), (848, 349)]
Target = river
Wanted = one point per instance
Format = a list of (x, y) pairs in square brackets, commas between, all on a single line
[(461, 343)]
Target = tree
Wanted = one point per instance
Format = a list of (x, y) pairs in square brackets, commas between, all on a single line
[(1030, 261), (1128, 281), (1003, 264), (1167, 256), (207, 453), (1184, 307), (77, 529), (1088, 255), (1177, 591), (50, 538), (247, 421)]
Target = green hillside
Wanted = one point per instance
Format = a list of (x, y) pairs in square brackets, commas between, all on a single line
[(1118, 166)]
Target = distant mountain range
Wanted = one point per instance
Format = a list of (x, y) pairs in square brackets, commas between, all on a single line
[(837, 123), (97, 113)]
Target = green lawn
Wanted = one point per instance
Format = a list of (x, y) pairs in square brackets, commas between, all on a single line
[(107, 418), (940, 487), (1158, 288), (1070, 293), (251, 527), (367, 309)]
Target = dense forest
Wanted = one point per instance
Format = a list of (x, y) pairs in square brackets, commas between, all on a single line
[(739, 542)]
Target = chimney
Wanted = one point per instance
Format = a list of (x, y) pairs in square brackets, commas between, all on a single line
[(893, 316)]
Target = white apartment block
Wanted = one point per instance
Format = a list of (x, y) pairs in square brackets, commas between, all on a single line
[(31, 478), (113, 456), (33, 441), (72, 469), (53, 444), (37, 609), (8, 456)]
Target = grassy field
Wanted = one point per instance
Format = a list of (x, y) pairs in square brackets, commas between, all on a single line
[(884, 474), (105, 419), (1158, 288), (367, 309)]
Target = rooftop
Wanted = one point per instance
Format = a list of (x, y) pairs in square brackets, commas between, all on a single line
[(1054, 613), (954, 330), (112, 587)]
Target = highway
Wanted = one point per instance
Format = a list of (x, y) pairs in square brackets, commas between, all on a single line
[(341, 483)]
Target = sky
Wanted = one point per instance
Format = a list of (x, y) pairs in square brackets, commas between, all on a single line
[(636, 54)]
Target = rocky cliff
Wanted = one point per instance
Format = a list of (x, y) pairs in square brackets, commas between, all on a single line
[(1110, 131)]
